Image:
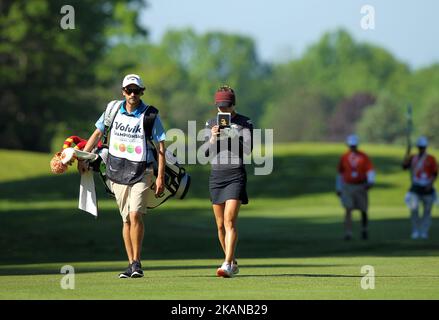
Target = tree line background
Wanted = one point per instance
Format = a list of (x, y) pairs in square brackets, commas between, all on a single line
[(55, 83)]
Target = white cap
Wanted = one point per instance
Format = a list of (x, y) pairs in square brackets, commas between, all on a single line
[(352, 140), (132, 79), (422, 142)]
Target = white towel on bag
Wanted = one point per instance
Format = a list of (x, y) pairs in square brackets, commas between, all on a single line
[(87, 194)]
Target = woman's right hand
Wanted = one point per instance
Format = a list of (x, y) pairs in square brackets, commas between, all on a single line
[(214, 132)]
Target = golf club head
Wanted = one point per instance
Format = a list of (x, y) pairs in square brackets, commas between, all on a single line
[(67, 155), (70, 154)]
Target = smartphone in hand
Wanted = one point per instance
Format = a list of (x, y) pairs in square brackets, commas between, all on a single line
[(223, 119)]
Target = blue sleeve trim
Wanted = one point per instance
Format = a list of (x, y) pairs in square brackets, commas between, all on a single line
[(158, 132), (100, 123)]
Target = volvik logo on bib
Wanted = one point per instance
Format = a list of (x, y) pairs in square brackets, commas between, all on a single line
[(127, 138), (127, 128)]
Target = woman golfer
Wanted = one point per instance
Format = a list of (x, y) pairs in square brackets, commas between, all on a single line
[(229, 136)]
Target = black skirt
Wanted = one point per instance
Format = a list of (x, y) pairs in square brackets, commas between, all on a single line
[(228, 184)]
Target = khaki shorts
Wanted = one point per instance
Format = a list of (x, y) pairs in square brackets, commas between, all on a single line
[(354, 196), (132, 198)]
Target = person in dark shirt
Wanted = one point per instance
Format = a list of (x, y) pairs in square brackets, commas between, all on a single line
[(228, 178)]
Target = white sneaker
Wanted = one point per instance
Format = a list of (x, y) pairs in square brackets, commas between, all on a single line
[(415, 235), (424, 235), (235, 268), (225, 271)]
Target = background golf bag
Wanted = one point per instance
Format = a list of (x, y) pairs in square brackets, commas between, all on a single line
[(177, 181)]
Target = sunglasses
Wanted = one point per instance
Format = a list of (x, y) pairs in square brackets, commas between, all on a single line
[(135, 90)]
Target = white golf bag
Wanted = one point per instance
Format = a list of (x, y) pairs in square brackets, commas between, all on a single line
[(177, 181)]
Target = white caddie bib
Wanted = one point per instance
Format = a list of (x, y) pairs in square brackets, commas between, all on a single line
[(127, 138)]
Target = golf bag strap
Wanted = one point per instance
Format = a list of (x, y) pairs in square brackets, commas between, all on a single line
[(110, 113), (148, 125), (148, 121)]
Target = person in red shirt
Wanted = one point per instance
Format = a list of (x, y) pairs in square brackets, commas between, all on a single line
[(355, 177), (423, 172)]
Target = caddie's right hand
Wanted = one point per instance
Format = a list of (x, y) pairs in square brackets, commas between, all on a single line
[(83, 166)]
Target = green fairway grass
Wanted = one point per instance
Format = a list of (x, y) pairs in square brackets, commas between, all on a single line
[(268, 278), (290, 236)]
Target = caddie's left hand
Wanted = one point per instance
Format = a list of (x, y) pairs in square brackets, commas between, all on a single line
[(83, 166), (159, 186)]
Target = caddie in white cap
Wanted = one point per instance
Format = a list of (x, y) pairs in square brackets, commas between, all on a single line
[(132, 79), (129, 162), (423, 173), (355, 176)]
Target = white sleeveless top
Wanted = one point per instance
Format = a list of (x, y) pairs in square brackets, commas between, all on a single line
[(127, 138)]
